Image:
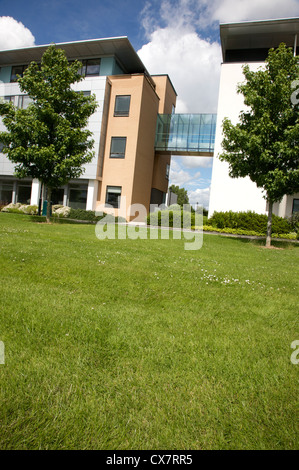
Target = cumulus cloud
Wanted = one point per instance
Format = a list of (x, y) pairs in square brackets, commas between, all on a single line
[(183, 41), (197, 162), (193, 63), (199, 197), (230, 10), (179, 43), (13, 34)]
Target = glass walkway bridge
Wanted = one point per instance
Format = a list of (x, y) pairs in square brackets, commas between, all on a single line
[(186, 134)]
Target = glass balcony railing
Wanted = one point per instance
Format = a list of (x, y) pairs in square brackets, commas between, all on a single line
[(188, 133)]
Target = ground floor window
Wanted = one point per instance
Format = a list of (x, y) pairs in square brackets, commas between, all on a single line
[(57, 196), (77, 196), (24, 193), (5, 192), (113, 194), (157, 197), (295, 205)]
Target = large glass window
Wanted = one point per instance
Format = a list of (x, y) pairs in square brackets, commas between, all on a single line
[(24, 193), (78, 196), (118, 147), (24, 101), (17, 70), (113, 194), (295, 205), (57, 196), (122, 105), (90, 67), (9, 99), (5, 192)]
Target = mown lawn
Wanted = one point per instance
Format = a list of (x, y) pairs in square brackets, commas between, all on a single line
[(139, 344)]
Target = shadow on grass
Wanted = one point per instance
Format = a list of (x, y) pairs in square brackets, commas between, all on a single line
[(261, 242), (56, 220)]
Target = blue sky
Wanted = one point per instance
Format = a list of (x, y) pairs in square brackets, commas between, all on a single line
[(178, 37)]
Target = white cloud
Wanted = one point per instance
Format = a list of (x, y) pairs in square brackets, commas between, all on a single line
[(197, 162), (178, 176), (192, 63), (178, 44), (199, 197), (241, 10), (13, 34)]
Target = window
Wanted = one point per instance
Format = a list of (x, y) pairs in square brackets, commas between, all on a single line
[(90, 67), (5, 192), (113, 194), (17, 70), (57, 196), (295, 205), (118, 147), (9, 99), (24, 101), (24, 193), (85, 93), (122, 105), (1, 146), (78, 196)]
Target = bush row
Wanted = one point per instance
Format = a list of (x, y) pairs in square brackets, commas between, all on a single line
[(172, 218), (19, 208), (235, 231), (249, 221)]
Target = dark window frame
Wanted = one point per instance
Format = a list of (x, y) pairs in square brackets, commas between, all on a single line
[(114, 204), (13, 76), (86, 63), (118, 154), (297, 201), (119, 113)]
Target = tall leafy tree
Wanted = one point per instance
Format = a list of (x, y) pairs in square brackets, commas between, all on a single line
[(181, 193), (264, 144), (48, 140)]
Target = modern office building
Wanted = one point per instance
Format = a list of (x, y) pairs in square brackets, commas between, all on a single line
[(123, 126), (245, 43)]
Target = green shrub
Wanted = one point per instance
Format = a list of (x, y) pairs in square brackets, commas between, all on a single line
[(294, 221), (172, 218), (19, 208), (249, 221), (90, 216)]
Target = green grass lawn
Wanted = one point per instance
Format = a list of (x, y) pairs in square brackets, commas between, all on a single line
[(139, 344)]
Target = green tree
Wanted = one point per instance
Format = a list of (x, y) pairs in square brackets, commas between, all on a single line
[(49, 140), (181, 193), (264, 144)]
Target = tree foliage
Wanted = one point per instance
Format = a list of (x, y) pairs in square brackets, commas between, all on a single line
[(264, 143), (48, 140), (181, 193)]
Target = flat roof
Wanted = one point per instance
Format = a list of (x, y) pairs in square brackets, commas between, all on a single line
[(120, 47), (261, 34)]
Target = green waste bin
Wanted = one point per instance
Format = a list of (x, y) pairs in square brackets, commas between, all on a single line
[(45, 205)]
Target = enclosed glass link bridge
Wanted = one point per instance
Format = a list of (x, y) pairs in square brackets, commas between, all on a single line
[(186, 134)]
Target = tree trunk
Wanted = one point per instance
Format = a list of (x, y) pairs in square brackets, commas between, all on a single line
[(269, 225), (49, 193)]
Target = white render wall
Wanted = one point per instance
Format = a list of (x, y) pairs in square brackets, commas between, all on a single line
[(97, 86), (235, 194)]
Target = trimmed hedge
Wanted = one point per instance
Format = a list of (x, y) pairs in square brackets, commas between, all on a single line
[(249, 221), (234, 231), (172, 218)]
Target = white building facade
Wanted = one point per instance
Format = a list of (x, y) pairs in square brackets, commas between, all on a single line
[(245, 43)]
